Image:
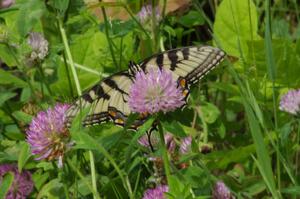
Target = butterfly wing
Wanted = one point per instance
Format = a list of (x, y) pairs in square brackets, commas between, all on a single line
[(189, 63), (107, 100)]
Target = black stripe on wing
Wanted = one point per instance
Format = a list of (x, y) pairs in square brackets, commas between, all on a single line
[(191, 63), (97, 100)]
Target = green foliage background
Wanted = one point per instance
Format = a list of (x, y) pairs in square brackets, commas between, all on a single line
[(254, 147)]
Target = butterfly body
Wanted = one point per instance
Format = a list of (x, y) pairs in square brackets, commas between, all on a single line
[(108, 99)]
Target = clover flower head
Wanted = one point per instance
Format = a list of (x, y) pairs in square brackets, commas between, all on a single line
[(6, 3), (156, 193), (290, 102), (221, 191), (145, 14), (145, 142), (170, 142), (155, 91), (185, 146), (47, 134), (22, 184), (39, 46)]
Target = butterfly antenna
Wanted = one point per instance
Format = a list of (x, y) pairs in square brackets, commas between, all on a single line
[(149, 140)]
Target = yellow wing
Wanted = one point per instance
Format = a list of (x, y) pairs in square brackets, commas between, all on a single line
[(107, 100)]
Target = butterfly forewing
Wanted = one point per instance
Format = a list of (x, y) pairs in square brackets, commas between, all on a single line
[(191, 63)]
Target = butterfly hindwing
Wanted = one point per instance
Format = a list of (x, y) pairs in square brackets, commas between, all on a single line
[(107, 100)]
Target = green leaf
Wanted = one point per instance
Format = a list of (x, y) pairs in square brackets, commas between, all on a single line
[(13, 132), (8, 78), (23, 117), (235, 24), (295, 190), (88, 50), (280, 28), (39, 178), (45, 166), (81, 186), (175, 128), (7, 55), (195, 176), (5, 184), (120, 28), (60, 5), (210, 112), (170, 30), (179, 189), (286, 60), (24, 156), (4, 96), (53, 189), (30, 13), (221, 159), (141, 131), (222, 130), (264, 161), (192, 18)]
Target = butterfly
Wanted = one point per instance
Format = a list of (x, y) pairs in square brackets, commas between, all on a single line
[(108, 99)]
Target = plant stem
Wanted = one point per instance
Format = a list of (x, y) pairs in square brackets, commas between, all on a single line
[(44, 79), (75, 77), (81, 176), (205, 128), (21, 65), (109, 41), (93, 173), (164, 152), (69, 55)]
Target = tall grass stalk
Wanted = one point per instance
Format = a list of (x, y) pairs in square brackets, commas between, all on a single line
[(251, 106), (109, 41), (128, 10), (75, 77), (271, 67), (81, 176)]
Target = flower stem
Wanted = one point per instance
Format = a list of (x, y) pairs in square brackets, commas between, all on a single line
[(69, 55), (164, 152), (75, 77), (109, 41), (43, 80), (205, 127), (93, 173)]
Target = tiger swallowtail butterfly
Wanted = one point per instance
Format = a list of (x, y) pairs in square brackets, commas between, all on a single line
[(108, 99)]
